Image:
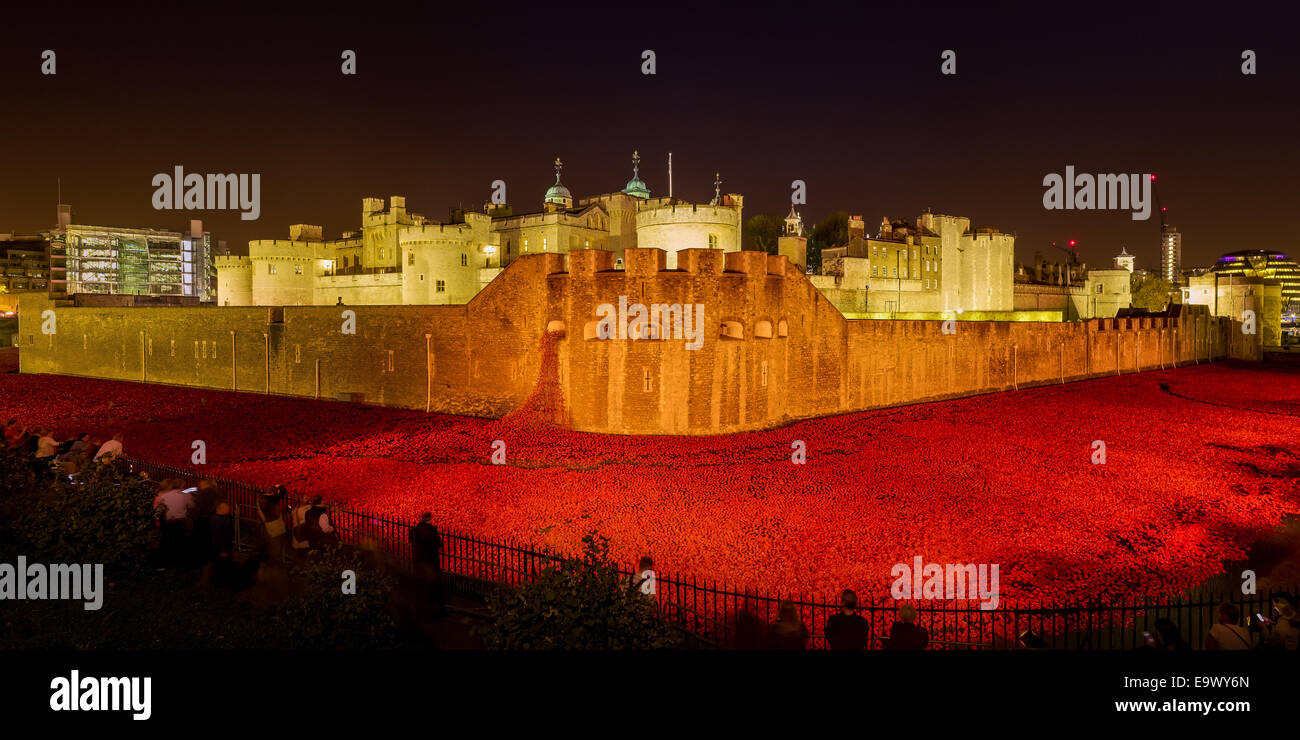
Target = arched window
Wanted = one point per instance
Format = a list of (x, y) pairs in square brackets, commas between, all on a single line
[(782, 328), (731, 330), (555, 326), (763, 329)]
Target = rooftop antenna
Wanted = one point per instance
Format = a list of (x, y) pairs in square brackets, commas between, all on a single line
[(670, 175)]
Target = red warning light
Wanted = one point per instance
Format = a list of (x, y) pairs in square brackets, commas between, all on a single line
[(1072, 242), (1153, 177)]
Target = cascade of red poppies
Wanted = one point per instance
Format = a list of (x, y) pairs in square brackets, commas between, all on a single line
[(545, 408)]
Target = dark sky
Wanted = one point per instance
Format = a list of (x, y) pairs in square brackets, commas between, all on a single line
[(848, 99)]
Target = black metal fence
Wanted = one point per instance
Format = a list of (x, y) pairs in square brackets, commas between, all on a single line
[(708, 610)]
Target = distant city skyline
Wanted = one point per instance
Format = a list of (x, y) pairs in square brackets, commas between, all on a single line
[(851, 102)]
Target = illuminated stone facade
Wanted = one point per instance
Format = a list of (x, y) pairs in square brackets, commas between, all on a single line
[(399, 257)]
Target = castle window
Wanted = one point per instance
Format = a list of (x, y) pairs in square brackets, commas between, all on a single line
[(464, 260), (904, 270), (731, 330), (545, 243), (764, 373), (390, 361), (645, 379), (297, 354), (381, 253), (440, 286), (782, 328), (763, 330), (297, 269), (270, 269), (618, 263), (713, 241), (410, 258), (507, 246), (525, 245), (421, 277), (173, 347)]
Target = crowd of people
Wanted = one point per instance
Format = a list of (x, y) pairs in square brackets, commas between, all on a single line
[(49, 455), (846, 629), (1278, 632)]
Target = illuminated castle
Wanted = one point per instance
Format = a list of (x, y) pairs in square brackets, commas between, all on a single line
[(398, 257)]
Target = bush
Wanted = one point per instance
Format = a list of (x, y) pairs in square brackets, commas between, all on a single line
[(581, 604), (105, 516), (321, 615)]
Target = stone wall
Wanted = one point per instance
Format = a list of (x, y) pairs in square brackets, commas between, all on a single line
[(774, 349)]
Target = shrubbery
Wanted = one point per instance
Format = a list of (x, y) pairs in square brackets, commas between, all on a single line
[(580, 604), (321, 615), (105, 516)]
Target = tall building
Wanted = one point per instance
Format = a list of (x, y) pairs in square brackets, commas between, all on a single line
[(1171, 254)]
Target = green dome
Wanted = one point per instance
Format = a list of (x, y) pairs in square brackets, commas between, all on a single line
[(636, 188), (559, 195)]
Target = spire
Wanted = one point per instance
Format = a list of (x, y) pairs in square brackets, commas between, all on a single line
[(717, 189), (635, 187), (558, 195)]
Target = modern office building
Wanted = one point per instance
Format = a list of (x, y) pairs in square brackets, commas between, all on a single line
[(1266, 264), (24, 263), (128, 261)]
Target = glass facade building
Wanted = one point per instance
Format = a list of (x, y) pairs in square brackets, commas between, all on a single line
[(121, 261)]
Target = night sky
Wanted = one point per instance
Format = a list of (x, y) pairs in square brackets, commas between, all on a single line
[(849, 100)]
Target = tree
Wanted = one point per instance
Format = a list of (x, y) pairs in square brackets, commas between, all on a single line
[(832, 231), (1150, 293), (580, 603), (762, 232)]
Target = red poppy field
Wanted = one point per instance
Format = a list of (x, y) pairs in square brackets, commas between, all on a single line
[(1195, 472)]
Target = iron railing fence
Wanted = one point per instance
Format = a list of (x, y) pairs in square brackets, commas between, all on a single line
[(709, 610)]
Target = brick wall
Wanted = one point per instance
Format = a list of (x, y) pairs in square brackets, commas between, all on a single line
[(483, 358)]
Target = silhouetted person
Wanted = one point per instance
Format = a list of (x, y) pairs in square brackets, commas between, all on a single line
[(905, 634), (847, 630), (788, 632), (270, 508), (1283, 631), (751, 631), (426, 549), (1165, 636), (1227, 634)]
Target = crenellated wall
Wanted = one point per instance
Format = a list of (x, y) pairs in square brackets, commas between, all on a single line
[(773, 348)]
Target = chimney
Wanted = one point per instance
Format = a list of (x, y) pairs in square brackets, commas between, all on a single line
[(196, 228), (64, 215)]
